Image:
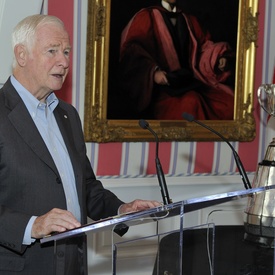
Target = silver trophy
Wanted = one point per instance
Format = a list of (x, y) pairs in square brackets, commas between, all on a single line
[(259, 220)]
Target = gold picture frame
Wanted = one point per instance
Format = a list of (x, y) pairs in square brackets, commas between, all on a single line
[(97, 126)]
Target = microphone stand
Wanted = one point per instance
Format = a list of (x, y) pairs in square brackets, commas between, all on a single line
[(161, 179), (239, 164)]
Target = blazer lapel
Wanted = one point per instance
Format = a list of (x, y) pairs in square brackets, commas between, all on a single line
[(26, 130)]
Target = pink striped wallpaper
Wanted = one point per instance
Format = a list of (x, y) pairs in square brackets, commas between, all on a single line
[(178, 158)]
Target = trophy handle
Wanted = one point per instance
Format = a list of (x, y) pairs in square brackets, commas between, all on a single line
[(266, 98)]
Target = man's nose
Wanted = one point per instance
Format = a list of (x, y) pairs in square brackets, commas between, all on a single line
[(64, 60)]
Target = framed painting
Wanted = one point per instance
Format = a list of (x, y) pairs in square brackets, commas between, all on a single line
[(117, 95)]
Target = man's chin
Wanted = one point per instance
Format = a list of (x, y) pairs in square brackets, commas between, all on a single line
[(57, 85)]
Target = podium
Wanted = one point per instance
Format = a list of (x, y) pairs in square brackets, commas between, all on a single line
[(155, 215)]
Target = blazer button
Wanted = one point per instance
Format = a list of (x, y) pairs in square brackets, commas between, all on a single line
[(60, 254), (58, 180)]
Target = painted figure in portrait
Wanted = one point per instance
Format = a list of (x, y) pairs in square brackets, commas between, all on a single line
[(169, 64)]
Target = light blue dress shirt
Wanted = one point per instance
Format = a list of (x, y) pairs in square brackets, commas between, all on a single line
[(44, 119)]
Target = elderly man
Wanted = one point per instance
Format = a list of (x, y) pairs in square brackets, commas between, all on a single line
[(46, 181)]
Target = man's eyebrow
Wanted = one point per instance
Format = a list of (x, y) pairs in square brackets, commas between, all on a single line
[(58, 45)]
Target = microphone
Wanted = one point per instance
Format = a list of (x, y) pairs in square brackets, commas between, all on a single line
[(239, 164), (162, 183)]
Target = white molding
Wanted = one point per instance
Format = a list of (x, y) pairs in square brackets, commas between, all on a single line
[(181, 180)]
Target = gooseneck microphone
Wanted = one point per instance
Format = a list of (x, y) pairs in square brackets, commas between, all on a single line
[(161, 179), (239, 164)]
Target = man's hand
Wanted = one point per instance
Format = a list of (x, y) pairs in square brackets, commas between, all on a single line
[(138, 205), (56, 220), (222, 64), (160, 78)]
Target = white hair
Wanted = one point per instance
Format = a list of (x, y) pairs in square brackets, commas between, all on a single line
[(25, 31)]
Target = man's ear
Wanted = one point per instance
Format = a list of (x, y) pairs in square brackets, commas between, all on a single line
[(20, 53)]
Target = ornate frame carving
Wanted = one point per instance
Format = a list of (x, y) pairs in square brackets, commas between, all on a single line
[(98, 128)]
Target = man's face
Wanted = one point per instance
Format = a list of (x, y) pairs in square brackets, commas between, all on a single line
[(48, 60)]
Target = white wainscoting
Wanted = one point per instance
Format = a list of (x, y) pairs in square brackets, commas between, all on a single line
[(139, 257)]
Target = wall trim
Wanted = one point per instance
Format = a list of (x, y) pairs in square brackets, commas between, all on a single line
[(176, 181)]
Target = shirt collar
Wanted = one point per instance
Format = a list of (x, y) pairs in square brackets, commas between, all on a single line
[(168, 7), (31, 102)]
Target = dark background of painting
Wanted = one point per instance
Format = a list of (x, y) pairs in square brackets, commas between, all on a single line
[(220, 17)]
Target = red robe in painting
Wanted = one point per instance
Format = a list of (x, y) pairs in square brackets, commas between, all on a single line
[(147, 44)]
